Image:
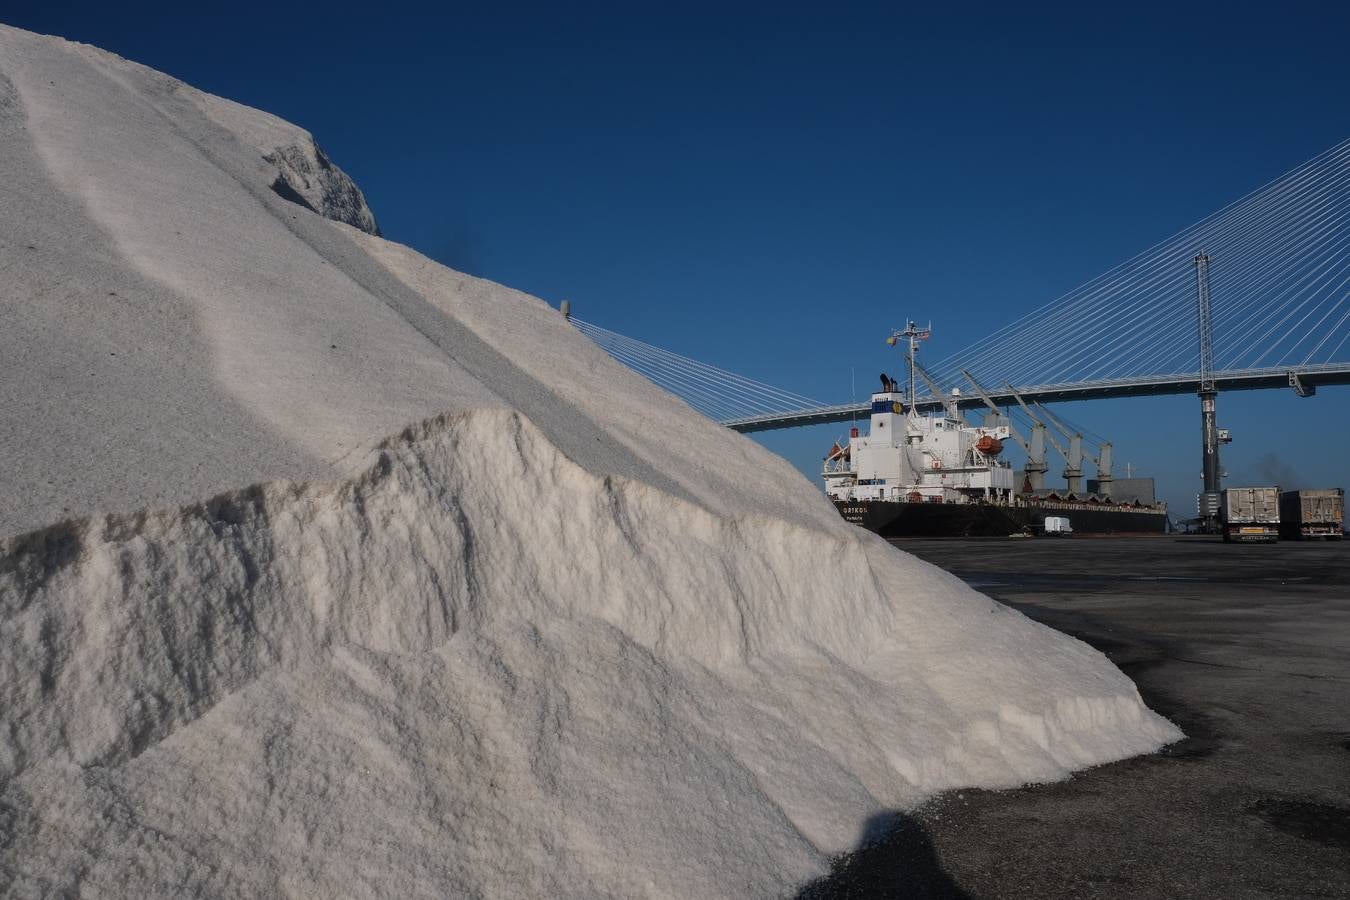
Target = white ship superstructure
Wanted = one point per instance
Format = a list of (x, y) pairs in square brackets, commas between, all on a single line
[(914, 458)]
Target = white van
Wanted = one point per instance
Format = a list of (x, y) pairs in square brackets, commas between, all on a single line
[(1058, 526)]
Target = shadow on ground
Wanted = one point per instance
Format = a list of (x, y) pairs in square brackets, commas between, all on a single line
[(894, 858)]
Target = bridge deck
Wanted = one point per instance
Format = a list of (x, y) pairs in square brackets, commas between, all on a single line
[(1245, 380)]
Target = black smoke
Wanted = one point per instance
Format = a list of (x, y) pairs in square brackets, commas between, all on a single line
[(1274, 470)]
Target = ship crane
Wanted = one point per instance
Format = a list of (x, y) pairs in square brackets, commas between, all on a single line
[(1036, 466), (1102, 460), (988, 446), (948, 401), (1035, 447), (1073, 456)]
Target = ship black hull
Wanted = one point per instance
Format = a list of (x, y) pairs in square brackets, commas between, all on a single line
[(900, 519)]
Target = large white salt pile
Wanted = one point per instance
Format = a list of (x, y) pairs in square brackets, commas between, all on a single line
[(470, 610)]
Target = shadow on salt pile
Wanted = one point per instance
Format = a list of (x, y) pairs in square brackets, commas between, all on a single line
[(894, 858)]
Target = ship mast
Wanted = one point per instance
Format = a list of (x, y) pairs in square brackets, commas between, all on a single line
[(913, 333)]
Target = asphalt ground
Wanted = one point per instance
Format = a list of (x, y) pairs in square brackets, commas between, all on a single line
[(1245, 647)]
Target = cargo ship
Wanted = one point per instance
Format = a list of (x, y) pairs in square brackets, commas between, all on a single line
[(940, 475)]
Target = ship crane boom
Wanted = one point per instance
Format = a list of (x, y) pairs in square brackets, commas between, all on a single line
[(1102, 459), (953, 412), (1073, 456), (1035, 447), (1036, 419), (993, 407)]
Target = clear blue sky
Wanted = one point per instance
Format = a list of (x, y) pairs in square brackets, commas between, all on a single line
[(771, 187)]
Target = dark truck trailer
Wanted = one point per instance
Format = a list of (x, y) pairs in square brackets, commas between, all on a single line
[(1308, 515), (1251, 514)]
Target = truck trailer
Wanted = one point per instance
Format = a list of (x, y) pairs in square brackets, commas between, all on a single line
[(1310, 515), (1250, 514)]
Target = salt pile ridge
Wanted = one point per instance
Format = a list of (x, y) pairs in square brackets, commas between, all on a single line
[(470, 609)]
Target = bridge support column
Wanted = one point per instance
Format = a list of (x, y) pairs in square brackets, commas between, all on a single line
[(1209, 499), (1208, 502)]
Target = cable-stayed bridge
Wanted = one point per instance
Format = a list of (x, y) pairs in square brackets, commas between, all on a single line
[(1278, 270)]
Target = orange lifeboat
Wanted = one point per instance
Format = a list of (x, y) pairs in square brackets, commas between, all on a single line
[(989, 446)]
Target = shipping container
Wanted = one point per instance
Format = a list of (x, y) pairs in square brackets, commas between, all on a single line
[(1311, 514), (1250, 514)]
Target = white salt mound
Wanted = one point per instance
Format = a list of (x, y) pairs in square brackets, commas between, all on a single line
[(558, 636)]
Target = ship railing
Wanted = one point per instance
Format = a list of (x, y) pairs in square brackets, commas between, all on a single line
[(837, 466)]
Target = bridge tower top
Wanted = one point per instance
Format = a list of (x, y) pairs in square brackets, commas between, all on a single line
[(1206, 322)]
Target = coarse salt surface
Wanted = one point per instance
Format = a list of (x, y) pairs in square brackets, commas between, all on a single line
[(328, 571)]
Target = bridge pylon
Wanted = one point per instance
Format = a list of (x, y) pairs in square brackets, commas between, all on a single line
[(1208, 501)]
